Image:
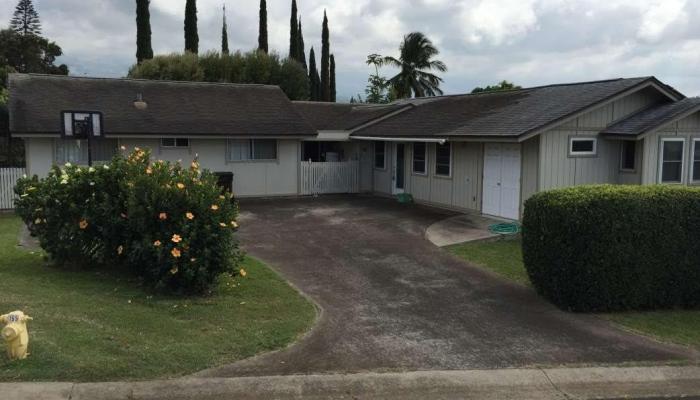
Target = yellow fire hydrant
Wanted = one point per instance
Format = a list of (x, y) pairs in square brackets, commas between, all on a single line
[(15, 334)]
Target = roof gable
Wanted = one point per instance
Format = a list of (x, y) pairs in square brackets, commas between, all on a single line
[(174, 108), (654, 118), (509, 114)]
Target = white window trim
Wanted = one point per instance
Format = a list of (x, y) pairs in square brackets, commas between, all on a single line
[(692, 161), (374, 155), (622, 156), (435, 174), (426, 165), (661, 160), (261, 160), (175, 147), (573, 139)]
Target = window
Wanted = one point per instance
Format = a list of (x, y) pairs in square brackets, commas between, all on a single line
[(76, 151), (443, 159), (696, 161), (172, 143), (672, 160), (628, 155), (583, 146), (419, 156), (252, 150), (81, 125), (380, 155)]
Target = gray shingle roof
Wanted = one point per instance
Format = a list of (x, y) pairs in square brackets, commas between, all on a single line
[(174, 108), (503, 114), (341, 116), (653, 118)]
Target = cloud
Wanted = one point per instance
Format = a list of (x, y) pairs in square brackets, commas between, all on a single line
[(530, 42)]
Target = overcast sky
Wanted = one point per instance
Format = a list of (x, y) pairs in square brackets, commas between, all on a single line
[(530, 42)]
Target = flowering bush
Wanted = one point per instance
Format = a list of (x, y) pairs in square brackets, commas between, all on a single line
[(167, 224)]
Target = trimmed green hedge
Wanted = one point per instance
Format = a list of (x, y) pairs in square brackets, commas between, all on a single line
[(610, 248)]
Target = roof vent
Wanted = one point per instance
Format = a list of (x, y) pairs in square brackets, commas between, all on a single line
[(139, 103)]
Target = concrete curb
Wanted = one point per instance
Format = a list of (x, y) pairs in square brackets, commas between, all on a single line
[(521, 384)]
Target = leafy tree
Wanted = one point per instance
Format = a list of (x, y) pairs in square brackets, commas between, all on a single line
[(144, 51), (302, 49), (333, 88), (378, 89), (314, 78), (325, 61), (30, 53), (253, 67), (262, 28), (224, 34), (191, 35), (25, 20), (501, 86), (415, 60), (294, 33)]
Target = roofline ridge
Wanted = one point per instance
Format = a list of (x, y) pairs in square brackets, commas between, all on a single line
[(167, 81)]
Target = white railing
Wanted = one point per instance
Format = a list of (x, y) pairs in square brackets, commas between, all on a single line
[(8, 180), (330, 177)]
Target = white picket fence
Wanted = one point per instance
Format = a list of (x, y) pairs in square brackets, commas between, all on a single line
[(330, 177), (8, 180)]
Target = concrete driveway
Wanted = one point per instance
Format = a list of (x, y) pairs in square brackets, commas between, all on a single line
[(391, 300)]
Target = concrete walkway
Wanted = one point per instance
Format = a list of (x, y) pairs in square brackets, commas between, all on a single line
[(516, 384), (460, 229)]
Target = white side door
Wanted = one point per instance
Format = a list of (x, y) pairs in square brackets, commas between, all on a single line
[(492, 179), (502, 180), (510, 181)]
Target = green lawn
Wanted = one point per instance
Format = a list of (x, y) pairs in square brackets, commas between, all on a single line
[(91, 326), (505, 258)]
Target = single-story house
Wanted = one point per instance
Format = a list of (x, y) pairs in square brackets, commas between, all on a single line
[(475, 152)]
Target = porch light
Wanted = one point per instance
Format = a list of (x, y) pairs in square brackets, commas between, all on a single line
[(139, 103)]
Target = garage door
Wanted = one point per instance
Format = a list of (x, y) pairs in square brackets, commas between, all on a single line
[(502, 180)]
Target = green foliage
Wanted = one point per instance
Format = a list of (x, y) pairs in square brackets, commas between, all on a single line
[(294, 33), (224, 35), (144, 51), (333, 83), (325, 61), (191, 34), (301, 47), (609, 248), (501, 86), (378, 90), (253, 67), (25, 19), (416, 59), (172, 67), (168, 225), (262, 27), (315, 91), (30, 53)]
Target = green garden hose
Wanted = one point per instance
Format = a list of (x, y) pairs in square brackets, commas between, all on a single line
[(506, 228)]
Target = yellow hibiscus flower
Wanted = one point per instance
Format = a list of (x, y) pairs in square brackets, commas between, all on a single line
[(189, 216), (176, 238), (83, 224), (175, 252)]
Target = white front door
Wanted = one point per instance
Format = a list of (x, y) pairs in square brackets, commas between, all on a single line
[(398, 176), (502, 180)]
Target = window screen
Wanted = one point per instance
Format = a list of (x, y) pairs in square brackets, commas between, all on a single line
[(628, 156), (672, 161), (379, 155), (696, 160), (419, 153), (442, 159), (582, 146), (252, 149), (174, 142)]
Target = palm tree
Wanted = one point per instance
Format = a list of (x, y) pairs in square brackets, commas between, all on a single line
[(417, 52)]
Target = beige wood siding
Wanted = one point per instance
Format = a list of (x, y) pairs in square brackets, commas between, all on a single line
[(382, 177), (529, 184), (460, 191), (557, 169), (631, 177), (39, 154)]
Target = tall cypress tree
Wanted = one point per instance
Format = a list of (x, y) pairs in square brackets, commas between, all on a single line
[(262, 28), (25, 20), (325, 61), (191, 35), (302, 50), (314, 79), (294, 33), (333, 78), (224, 35), (144, 51)]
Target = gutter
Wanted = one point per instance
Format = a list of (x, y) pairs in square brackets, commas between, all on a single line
[(400, 139)]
